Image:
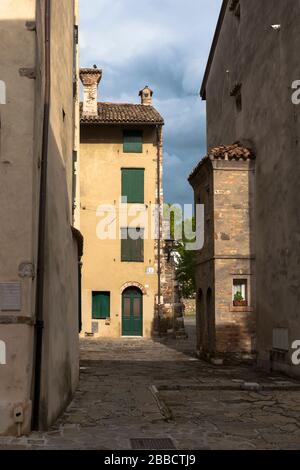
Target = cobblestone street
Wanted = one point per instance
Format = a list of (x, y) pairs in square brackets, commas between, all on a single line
[(134, 389)]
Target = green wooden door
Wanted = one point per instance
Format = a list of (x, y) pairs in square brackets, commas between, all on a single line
[(132, 312)]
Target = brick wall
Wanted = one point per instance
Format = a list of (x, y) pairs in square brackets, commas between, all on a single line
[(226, 188)]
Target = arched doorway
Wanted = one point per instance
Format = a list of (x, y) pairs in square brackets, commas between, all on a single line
[(132, 312)]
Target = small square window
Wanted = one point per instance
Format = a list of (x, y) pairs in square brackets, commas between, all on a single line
[(133, 141), (239, 292)]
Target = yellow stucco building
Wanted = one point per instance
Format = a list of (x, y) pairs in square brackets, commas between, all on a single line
[(121, 159)]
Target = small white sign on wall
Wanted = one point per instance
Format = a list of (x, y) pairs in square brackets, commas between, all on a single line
[(2, 92), (150, 270), (2, 353)]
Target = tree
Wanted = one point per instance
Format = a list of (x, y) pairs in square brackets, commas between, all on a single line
[(185, 260)]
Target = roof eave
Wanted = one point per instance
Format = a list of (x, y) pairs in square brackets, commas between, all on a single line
[(119, 123), (213, 49), (197, 169)]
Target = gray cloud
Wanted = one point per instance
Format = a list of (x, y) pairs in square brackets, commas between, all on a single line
[(164, 44)]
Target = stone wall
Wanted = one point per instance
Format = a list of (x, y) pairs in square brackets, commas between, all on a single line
[(265, 62), (226, 188), (234, 254)]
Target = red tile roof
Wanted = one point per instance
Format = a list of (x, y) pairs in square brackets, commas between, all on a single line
[(231, 152), (123, 113)]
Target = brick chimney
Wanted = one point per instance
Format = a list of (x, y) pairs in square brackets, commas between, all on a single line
[(146, 96), (90, 79)]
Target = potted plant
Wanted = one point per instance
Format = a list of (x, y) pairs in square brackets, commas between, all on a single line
[(239, 300)]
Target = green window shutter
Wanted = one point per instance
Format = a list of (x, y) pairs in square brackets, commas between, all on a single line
[(132, 245), (133, 142), (125, 245), (133, 183), (100, 305)]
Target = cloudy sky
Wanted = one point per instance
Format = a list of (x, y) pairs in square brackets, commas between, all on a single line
[(163, 44)]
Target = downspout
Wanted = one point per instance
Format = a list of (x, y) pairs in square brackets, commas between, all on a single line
[(79, 240), (79, 295), (159, 145), (39, 323)]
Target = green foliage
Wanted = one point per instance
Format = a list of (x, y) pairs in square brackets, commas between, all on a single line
[(185, 259), (238, 297)]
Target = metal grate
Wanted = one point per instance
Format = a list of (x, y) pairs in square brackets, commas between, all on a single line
[(152, 444)]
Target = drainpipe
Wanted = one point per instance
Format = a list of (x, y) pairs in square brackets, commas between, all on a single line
[(79, 240), (39, 323), (79, 296), (159, 145)]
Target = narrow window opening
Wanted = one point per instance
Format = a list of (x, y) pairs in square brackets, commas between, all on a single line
[(240, 292)]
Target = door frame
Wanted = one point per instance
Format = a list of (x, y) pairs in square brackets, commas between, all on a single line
[(141, 297)]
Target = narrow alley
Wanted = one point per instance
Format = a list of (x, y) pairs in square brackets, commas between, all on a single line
[(155, 390)]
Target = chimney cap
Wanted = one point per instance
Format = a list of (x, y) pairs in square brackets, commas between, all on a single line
[(90, 76), (91, 71), (146, 88)]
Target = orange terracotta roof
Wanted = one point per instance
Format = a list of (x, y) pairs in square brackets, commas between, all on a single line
[(225, 152), (123, 113), (231, 152)]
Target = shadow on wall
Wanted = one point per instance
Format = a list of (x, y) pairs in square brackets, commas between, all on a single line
[(205, 321), (60, 359), (233, 337)]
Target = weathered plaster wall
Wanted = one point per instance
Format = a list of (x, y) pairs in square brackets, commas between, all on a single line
[(22, 47), (266, 62), (16, 211), (60, 351)]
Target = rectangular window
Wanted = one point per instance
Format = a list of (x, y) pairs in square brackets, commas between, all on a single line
[(133, 141), (132, 245), (100, 305), (239, 293), (133, 180)]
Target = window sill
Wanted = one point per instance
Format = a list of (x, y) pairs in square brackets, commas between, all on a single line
[(126, 261), (241, 309), (133, 153), (101, 319)]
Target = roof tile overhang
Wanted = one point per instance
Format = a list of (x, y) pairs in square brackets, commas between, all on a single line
[(123, 113), (225, 152)]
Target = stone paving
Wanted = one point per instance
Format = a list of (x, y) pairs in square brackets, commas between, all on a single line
[(206, 406)]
